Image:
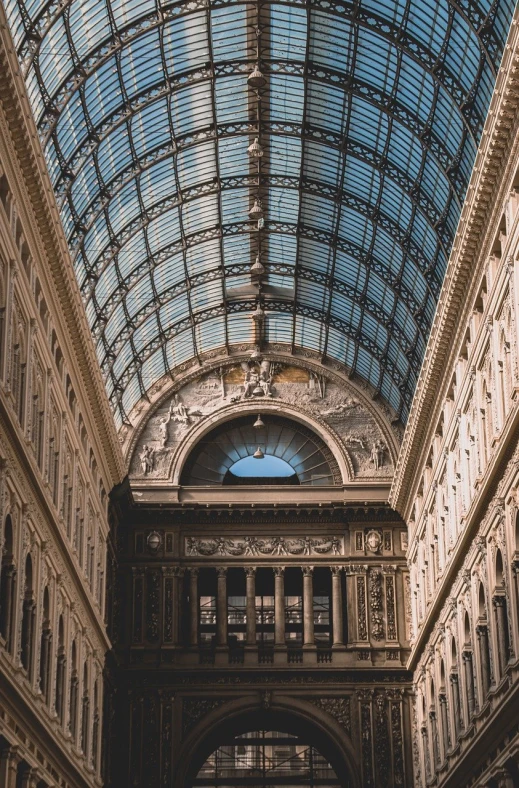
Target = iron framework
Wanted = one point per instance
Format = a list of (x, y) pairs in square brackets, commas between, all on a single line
[(369, 121)]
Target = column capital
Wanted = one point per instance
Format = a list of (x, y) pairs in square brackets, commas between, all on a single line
[(193, 571), (279, 571), (336, 570), (308, 571), (250, 571), (221, 571)]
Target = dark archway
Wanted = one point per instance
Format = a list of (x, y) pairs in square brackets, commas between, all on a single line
[(308, 726), (266, 759), (214, 456)]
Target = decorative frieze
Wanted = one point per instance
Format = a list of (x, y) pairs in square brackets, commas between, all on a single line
[(362, 623), (390, 607), (267, 546), (376, 604), (193, 709), (337, 707)]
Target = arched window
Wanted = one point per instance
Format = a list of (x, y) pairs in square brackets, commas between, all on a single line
[(433, 722), (61, 665), (37, 418), (468, 667), (444, 711), (455, 691), (7, 584), (68, 480), (74, 691), (85, 713), (28, 619), (95, 726), (45, 648), (500, 607), (267, 758), (483, 642)]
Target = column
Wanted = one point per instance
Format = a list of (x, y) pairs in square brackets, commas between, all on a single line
[(193, 607), (8, 766), (29, 778), (279, 606), (435, 743), (178, 574), (308, 606), (337, 614), (221, 606), (456, 705), (250, 574), (482, 633), (499, 602), (425, 748), (469, 681), (442, 697)]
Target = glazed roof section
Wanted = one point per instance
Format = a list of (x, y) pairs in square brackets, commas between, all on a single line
[(369, 121)]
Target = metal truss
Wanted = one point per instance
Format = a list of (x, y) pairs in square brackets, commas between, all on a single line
[(435, 100)]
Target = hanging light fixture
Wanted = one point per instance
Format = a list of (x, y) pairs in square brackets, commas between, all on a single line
[(258, 454), (259, 423), (256, 212), (258, 313), (256, 79), (257, 269), (255, 150)]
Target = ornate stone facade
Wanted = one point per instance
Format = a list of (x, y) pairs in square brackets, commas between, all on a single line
[(457, 484), (59, 457)]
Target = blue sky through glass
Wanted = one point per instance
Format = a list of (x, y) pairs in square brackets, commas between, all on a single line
[(269, 466)]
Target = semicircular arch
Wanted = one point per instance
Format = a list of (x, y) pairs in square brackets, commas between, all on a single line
[(289, 714)]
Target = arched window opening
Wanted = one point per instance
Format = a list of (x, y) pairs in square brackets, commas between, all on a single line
[(7, 584), (468, 667), (53, 457), (279, 451), (266, 758), (74, 690), (500, 607), (434, 738), (95, 727), (444, 711), (483, 642), (455, 691), (37, 417), (45, 648), (85, 712), (61, 664), (28, 619), (18, 370)]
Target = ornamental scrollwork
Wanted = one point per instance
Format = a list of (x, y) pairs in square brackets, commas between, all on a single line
[(339, 708), (275, 545), (376, 604)]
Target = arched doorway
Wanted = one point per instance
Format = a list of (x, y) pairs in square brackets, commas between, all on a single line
[(266, 759), (288, 743)]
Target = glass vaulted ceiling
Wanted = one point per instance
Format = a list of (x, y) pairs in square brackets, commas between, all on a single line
[(369, 120)]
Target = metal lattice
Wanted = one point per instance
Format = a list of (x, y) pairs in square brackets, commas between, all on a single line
[(368, 116)]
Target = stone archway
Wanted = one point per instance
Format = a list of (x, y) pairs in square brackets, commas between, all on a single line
[(284, 714)]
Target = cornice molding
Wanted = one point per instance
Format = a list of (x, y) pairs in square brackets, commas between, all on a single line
[(495, 165), (35, 198)]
